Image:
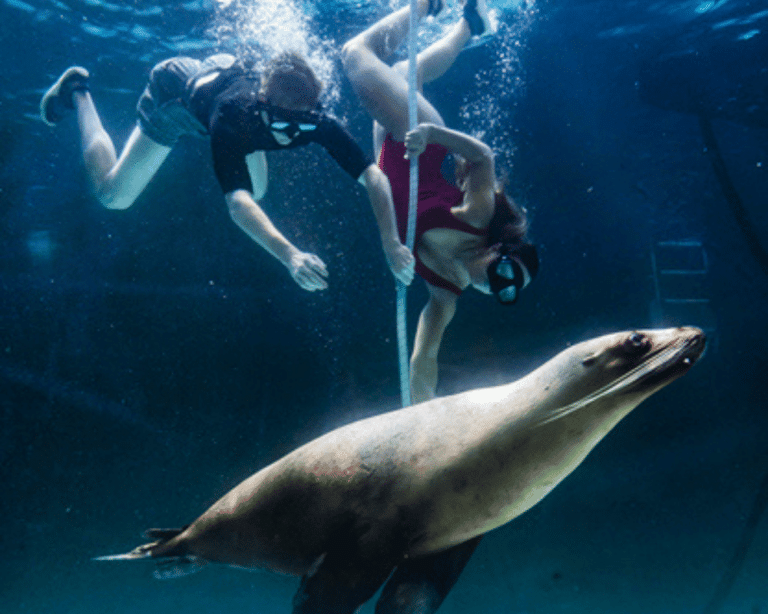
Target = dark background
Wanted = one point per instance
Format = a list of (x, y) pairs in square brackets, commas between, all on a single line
[(152, 358)]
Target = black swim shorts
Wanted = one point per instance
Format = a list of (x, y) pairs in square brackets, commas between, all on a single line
[(162, 108)]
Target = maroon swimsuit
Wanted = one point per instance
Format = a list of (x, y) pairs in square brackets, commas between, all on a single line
[(435, 200)]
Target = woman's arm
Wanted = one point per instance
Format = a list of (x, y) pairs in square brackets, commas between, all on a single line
[(434, 319), (479, 176), (473, 150)]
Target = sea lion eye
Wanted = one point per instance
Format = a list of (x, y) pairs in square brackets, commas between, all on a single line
[(636, 343)]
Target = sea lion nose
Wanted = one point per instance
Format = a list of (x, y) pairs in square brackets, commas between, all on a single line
[(696, 344)]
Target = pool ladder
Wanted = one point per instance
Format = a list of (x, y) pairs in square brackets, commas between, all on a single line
[(680, 271)]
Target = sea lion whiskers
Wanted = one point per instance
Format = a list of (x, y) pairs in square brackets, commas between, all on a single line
[(655, 363)]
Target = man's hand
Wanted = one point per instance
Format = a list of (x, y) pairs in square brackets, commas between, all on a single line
[(401, 262), (308, 271)]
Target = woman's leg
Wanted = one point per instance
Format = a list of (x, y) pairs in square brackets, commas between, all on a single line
[(436, 59), (383, 89), (116, 182)]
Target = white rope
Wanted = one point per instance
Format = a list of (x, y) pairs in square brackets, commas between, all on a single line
[(413, 186)]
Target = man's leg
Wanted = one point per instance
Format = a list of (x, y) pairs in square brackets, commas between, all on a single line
[(116, 182)]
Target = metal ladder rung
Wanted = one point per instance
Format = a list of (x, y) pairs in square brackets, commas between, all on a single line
[(701, 301), (679, 243), (681, 288)]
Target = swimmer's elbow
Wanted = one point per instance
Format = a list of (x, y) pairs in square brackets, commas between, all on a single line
[(242, 208), (482, 170), (372, 176), (113, 202), (488, 154), (484, 156)]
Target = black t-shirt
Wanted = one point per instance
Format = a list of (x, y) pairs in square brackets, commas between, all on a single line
[(231, 109)]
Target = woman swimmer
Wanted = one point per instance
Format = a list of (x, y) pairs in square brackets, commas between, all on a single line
[(470, 235)]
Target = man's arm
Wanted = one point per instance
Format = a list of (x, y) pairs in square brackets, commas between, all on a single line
[(399, 258), (338, 142), (242, 175), (306, 269)]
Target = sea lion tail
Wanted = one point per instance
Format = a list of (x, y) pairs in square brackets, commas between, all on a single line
[(170, 562)]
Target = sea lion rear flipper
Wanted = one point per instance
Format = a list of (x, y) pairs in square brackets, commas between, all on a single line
[(167, 569), (420, 585), (340, 584), (172, 562)]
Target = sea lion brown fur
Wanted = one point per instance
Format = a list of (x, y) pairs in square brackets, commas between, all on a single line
[(414, 489)]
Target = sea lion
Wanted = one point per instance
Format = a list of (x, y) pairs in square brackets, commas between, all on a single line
[(414, 489)]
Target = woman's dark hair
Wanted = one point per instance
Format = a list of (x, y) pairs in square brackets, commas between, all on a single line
[(509, 223)]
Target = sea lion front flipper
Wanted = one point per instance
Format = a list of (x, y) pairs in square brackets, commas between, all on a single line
[(340, 584), (420, 585)]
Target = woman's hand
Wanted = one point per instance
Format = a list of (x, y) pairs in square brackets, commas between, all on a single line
[(416, 140)]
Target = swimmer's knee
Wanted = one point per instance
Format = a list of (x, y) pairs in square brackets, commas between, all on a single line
[(401, 68), (350, 54), (109, 201), (357, 55), (114, 199)]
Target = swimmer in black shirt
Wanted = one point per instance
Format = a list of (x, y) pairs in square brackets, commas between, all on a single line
[(244, 115)]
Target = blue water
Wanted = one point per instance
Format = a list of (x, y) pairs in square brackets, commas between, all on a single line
[(150, 359)]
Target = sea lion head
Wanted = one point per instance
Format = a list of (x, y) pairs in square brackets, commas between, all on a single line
[(625, 367)]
